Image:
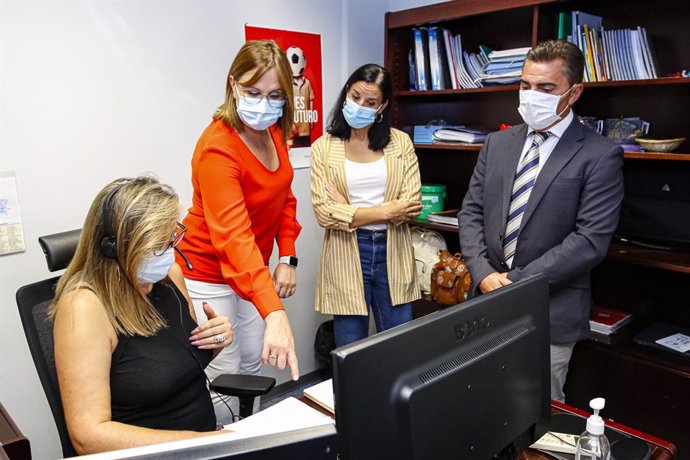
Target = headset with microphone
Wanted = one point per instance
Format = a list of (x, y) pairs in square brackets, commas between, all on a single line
[(109, 240)]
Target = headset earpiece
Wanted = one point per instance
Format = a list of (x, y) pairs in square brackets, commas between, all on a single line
[(109, 241), (109, 247)]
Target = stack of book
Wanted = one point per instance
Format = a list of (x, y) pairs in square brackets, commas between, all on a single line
[(437, 61), (607, 321), (458, 134), (622, 54), (504, 67)]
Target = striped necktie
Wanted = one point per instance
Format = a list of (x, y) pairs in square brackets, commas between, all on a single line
[(524, 180)]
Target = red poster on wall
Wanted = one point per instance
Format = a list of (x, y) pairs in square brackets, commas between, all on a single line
[(304, 54)]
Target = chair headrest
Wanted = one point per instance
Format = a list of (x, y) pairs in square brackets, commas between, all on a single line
[(59, 248)]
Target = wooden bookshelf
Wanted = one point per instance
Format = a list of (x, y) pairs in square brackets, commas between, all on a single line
[(658, 156), (597, 84), (458, 92), (436, 226), (448, 146), (652, 284), (420, 148), (665, 259)]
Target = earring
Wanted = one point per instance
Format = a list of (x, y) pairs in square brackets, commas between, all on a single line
[(117, 268), (379, 118)]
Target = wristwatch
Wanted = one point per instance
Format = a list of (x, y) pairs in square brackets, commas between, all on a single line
[(290, 260)]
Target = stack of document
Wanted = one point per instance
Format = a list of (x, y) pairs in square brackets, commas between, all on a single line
[(607, 321), (504, 67), (322, 394), (424, 134), (468, 135), (449, 217), (553, 443)]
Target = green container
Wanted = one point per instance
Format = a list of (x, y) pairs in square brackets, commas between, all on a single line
[(433, 199)]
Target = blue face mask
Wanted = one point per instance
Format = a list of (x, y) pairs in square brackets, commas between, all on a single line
[(358, 116), (154, 268), (259, 116)]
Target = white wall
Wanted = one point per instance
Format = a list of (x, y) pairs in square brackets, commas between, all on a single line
[(92, 90), (364, 29), (397, 5)]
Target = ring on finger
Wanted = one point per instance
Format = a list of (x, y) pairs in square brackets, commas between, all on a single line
[(220, 338), (273, 356)]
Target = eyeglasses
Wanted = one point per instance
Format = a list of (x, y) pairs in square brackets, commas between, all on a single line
[(251, 96), (174, 241)]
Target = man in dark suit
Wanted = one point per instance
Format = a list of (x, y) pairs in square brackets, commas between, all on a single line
[(545, 198)]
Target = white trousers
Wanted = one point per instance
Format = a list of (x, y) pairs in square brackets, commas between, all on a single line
[(243, 355), (560, 358)]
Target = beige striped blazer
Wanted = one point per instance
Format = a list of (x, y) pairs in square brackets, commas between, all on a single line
[(339, 285)]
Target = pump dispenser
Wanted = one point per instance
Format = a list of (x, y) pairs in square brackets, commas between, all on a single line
[(592, 444)]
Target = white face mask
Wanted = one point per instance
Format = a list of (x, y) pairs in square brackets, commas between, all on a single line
[(154, 268), (539, 109), (259, 116)]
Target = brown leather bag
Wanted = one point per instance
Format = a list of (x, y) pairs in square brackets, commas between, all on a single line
[(450, 279)]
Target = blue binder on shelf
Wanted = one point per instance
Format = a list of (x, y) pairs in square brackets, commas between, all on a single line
[(420, 36), (438, 63)]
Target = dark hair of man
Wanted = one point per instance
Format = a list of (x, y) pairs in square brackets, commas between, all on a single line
[(380, 131), (573, 58)]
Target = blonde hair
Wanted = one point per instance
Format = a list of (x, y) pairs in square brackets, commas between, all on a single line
[(143, 217), (261, 56)]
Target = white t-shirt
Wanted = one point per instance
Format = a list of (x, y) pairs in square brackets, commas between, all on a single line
[(366, 185)]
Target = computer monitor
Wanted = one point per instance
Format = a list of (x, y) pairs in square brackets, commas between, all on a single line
[(462, 383)]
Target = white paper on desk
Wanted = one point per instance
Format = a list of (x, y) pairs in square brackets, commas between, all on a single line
[(156, 449), (287, 415), (679, 342)]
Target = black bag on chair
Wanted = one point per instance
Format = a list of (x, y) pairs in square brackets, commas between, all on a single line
[(324, 343), (656, 206)]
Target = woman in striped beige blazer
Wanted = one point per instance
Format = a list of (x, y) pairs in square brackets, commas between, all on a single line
[(365, 187)]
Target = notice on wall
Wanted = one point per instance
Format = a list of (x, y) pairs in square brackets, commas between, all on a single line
[(11, 233), (303, 51)]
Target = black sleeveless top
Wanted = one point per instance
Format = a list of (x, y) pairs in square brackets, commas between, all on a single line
[(155, 382)]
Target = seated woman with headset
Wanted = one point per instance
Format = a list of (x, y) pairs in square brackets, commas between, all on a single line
[(129, 353)]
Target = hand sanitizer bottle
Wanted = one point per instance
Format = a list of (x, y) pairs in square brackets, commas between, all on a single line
[(592, 444)]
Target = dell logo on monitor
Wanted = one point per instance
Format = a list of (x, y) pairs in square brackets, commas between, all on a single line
[(469, 327)]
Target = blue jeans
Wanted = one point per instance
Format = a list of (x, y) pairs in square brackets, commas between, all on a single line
[(372, 256)]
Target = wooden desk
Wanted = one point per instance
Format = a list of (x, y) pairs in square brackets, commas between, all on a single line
[(14, 444), (660, 449)]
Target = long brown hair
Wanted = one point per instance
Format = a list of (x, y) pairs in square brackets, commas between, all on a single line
[(261, 56), (143, 215)]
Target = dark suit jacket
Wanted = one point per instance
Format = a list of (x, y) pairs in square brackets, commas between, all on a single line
[(570, 217)]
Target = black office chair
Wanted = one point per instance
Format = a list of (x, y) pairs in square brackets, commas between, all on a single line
[(33, 301)]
